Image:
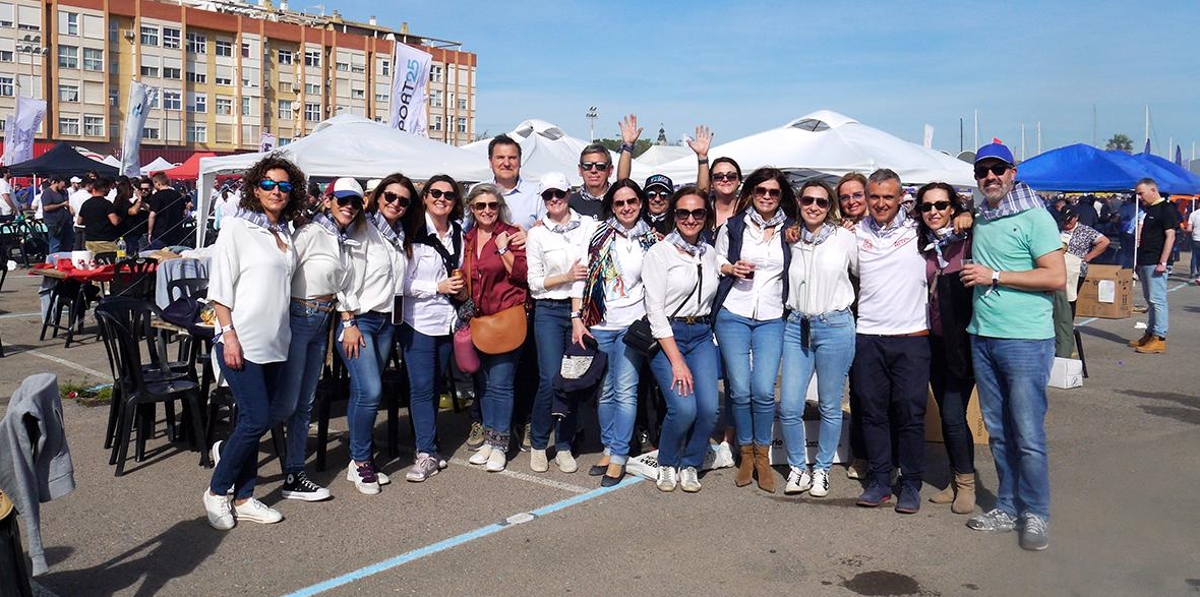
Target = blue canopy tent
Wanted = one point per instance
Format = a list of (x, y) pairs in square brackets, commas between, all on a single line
[(1078, 167), (1169, 182), (1191, 179)]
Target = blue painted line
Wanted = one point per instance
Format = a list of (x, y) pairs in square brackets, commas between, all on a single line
[(455, 541)]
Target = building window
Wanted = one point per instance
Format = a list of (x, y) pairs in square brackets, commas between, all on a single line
[(312, 112), (385, 67), (381, 97), (68, 93), (197, 133), (68, 57), (358, 94), (312, 58), (246, 107), (170, 38), (285, 109), (343, 67), (226, 81), (149, 36), (172, 100), (462, 103), (72, 23), (149, 132), (114, 98), (93, 126), (280, 142), (198, 102), (224, 106), (312, 89), (223, 48), (196, 77), (197, 43), (435, 73), (358, 69), (7, 87), (6, 55), (149, 71), (285, 56), (172, 73), (437, 123), (68, 126), (435, 99), (245, 50), (93, 59), (462, 124)]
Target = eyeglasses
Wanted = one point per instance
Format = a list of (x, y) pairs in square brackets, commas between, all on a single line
[(145, 189), (821, 202), (482, 206), (663, 195), (389, 197), (725, 177), (938, 205), (848, 196), (550, 194), (269, 185), (353, 201), (765, 192), (981, 172), (619, 204), (695, 214), (437, 194), (602, 166)]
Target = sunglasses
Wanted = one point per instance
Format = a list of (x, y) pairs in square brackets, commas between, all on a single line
[(550, 194), (652, 195), (483, 206), (620, 204), (594, 166), (849, 196), (269, 185), (938, 205), (437, 194), (389, 197), (725, 177), (821, 202), (981, 172), (765, 192), (355, 202), (695, 214)]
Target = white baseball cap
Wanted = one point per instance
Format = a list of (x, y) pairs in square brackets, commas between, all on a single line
[(76, 179), (347, 187), (555, 180)]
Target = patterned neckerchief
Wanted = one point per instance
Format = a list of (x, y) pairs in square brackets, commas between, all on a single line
[(821, 236), (260, 219), (572, 223), (394, 235), (763, 224), (901, 222), (1021, 198), (323, 220), (941, 239), (639, 228), (696, 250)]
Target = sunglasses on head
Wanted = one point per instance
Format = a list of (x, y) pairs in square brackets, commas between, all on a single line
[(938, 205), (725, 176), (437, 194), (765, 192), (821, 202), (695, 214), (486, 205), (620, 204), (594, 166), (550, 194), (351, 200), (981, 172), (652, 195), (389, 197), (269, 185)]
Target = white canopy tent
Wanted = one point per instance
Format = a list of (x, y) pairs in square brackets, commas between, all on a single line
[(546, 148), (111, 161), (834, 144), (658, 155), (351, 145), (158, 165)]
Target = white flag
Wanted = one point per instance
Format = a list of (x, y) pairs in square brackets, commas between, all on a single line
[(929, 136), (28, 117), (140, 98), (409, 79), (266, 142), (10, 123)]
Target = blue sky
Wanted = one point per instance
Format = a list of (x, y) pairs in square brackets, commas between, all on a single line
[(745, 67)]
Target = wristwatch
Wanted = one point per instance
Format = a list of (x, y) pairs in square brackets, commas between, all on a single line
[(502, 250), (225, 328), (349, 323), (996, 278)]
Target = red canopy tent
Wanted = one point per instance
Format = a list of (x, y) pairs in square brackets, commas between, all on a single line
[(189, 170)]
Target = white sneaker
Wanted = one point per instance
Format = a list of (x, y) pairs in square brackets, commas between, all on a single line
[(382, 478), (689, 480), (723, 457), (496, 460), (820, 483), (481, 455), (256, 511), (565, 461), (798, 481), (363, 477), (538, 462), (220, 515), (667, 479)]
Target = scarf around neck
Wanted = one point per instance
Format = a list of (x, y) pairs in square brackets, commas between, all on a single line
[(324, 220), (639, 228), (605, 268), (260, 219), (821, 235), (573, 222), (758, 220), (696, 250), (394, 235), (940, 239)]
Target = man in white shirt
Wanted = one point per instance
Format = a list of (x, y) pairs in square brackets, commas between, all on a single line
[(79, 195), (891, 359), (8, 207), (1193, 226)]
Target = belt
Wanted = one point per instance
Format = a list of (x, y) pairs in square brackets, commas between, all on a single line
[(554, 301), (322, 306), (692, 319), (912, 335)]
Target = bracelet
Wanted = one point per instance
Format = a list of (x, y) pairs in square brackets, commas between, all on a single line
[(350, 323), (576, 315), (225, 328), (501, 251), (627, 147), (702, 160)]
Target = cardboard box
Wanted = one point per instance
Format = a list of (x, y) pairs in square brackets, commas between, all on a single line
[(1107, 293), (812, 430), (933, 420), (1066, 373)]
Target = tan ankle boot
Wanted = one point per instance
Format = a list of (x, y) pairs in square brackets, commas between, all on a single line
[(745, 472), (762, 468), (964, 499), (944, 496)]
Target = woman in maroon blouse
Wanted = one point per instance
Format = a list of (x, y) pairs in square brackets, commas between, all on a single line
[(496, 281)]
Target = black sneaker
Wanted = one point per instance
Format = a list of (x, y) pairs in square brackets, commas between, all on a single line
[(297, 486)]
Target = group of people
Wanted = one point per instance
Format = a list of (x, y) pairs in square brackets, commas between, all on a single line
[(732, 278)]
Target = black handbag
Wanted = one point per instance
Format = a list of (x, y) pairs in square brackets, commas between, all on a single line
[(638, 335)]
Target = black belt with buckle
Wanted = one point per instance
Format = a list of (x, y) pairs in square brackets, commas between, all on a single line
[(692, 319), (321, 306)]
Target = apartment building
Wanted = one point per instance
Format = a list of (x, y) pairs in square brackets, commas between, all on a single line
[(227, 71)]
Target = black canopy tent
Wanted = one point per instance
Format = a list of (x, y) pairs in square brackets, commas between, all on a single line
[(62, 159)]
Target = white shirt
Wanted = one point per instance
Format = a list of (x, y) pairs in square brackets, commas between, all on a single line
[(6, 189), (76, 200), (1194, 223), (549, 253), (425, 309), (622, 295), (819, 274), (760, 297), (377, 270), (670, 276), (893, 293), (250, 275), (38, 213), (322, 267)]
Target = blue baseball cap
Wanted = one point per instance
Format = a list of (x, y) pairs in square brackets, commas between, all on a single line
[(995, 151)]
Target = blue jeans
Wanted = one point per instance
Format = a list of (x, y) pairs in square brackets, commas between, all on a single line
[(891, 376), (690, 419), (828, 350), (1194, 270), (255, 388), (1154, 290), (498, 371), (1012, 377), (617, 408), (366, 384), (426, 359), (298, 382), (751, 350), (60, 238), (552, 331)]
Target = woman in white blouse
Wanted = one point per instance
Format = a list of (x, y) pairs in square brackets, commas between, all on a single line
[(249, 280), (320, 285), (434, 242), (364, 339), (753, 257), (603, 306), (556, 254), (680, 276), (819, 334)]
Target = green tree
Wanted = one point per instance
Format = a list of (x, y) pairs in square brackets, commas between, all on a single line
[(639, 147), (1121, 142)]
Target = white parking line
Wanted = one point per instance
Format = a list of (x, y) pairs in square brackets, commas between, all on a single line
[(67, 363), (10, 315), (577, 489)]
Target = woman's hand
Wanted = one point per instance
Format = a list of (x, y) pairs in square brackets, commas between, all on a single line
[(517, 239), (232, 351), (629, 129), (502, 241), (578, 331), (352, 339), (702, 142), (577, 272), (681, 378), (450, 286), (848, 225), (792, 234)]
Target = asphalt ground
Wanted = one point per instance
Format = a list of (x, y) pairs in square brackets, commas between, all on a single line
[(1124, 522)]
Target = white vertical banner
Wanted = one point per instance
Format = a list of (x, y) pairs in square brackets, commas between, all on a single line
[(410, 76), (929, 136), (28, 117), (10, 124), (266, 142), (141, 96)]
